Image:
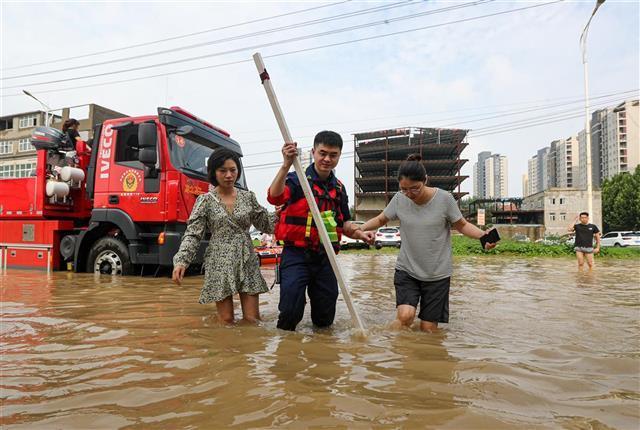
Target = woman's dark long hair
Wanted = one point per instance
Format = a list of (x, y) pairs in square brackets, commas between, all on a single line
[(71, 122), (412, 169), (217, 159)]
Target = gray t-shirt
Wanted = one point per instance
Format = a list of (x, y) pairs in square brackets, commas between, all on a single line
[(425, 231)]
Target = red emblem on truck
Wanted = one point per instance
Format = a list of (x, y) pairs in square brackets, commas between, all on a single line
[(130, 180)]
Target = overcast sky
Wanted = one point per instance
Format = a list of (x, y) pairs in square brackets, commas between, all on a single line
[(475, 74)]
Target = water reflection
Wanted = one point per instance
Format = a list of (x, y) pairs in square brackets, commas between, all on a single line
[(532, 343)]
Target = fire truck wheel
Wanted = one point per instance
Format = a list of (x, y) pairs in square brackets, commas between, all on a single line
[(109, 256)]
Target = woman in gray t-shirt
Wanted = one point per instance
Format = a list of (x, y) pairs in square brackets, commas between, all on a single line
[(424, 267)]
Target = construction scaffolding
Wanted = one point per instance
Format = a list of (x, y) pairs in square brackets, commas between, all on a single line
[(378, 155)]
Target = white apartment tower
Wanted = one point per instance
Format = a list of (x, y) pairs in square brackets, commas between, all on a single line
[(615, 143), (479, 175), (490, 176), (496, 177), (532, 175), (306, 158), (620, 146), (525, 185), (566, 163)]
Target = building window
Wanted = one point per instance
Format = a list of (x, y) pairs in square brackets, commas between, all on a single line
[(126, 151), (6, 147), (552, 217), (553, 200), (6, 124), (24, 169), (563, 217), (6, 171), (28, 121), (562, 200), (25, 145)]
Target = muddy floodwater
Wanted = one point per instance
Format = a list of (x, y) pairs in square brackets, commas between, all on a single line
[(532, 343)]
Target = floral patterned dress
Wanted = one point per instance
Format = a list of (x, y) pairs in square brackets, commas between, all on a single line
[(230, 262)]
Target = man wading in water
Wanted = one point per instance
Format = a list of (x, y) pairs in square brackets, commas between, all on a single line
[(585, 233), (305, 268)]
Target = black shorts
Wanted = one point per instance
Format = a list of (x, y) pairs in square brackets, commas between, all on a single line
[(432, 295)]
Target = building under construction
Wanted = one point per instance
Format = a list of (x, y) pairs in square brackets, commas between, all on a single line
[(378, 155)]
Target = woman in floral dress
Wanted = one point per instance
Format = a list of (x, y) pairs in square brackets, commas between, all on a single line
[(230, 262)]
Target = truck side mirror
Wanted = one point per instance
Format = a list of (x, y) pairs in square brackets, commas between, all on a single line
[(147, 135), (148, 156), (148, 153)]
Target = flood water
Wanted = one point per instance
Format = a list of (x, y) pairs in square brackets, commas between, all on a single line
[(532, 343)]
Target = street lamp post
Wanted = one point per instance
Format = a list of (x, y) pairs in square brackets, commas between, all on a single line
[(587, 122), (44, 106)]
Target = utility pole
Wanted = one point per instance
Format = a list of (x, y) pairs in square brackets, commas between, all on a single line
[(587, 121)]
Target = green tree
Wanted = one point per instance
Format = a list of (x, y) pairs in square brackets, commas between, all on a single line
[(621, 202)]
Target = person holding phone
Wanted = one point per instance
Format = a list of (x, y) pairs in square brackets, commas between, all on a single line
[(424, 265)]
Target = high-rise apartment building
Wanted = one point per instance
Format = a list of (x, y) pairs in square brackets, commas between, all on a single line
[(490, 178), (615, 143), (566, 162), (620, 146), (479, 174), (525, 185), (532, 175)]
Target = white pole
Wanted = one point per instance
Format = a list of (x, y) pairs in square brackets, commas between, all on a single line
[(315, 212), (587, 132), (587, 119)]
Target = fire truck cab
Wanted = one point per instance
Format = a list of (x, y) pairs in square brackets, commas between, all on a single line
[(120, 204)]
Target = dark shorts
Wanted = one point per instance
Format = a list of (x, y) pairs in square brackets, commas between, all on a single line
[(433, 296)]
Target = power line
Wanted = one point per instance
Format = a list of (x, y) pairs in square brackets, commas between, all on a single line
[(183, 36), (246, 48), (122, 81), (498, 129), (402, 3), (608, 98), (487, 130), (324, 124), (295, 51)]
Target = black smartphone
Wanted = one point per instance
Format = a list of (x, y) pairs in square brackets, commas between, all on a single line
[(491, 236)]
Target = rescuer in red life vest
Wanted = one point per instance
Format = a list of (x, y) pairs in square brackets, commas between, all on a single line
[(304, 261)]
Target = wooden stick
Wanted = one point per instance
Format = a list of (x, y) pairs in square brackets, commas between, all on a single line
[(315, 212)]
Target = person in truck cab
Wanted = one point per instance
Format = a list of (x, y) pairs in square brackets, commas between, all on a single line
[(230, 262)]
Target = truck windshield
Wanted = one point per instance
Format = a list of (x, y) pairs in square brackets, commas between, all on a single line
[(189, 156)]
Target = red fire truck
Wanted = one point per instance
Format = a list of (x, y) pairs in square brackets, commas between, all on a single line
[(119, 205)]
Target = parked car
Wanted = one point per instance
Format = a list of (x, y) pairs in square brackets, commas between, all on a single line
[(348, 243), (568, 239), (387, 236), (519, 237), (549, 240), (620, 238)]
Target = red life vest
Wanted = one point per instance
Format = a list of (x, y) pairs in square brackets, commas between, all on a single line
[(296, 226)]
